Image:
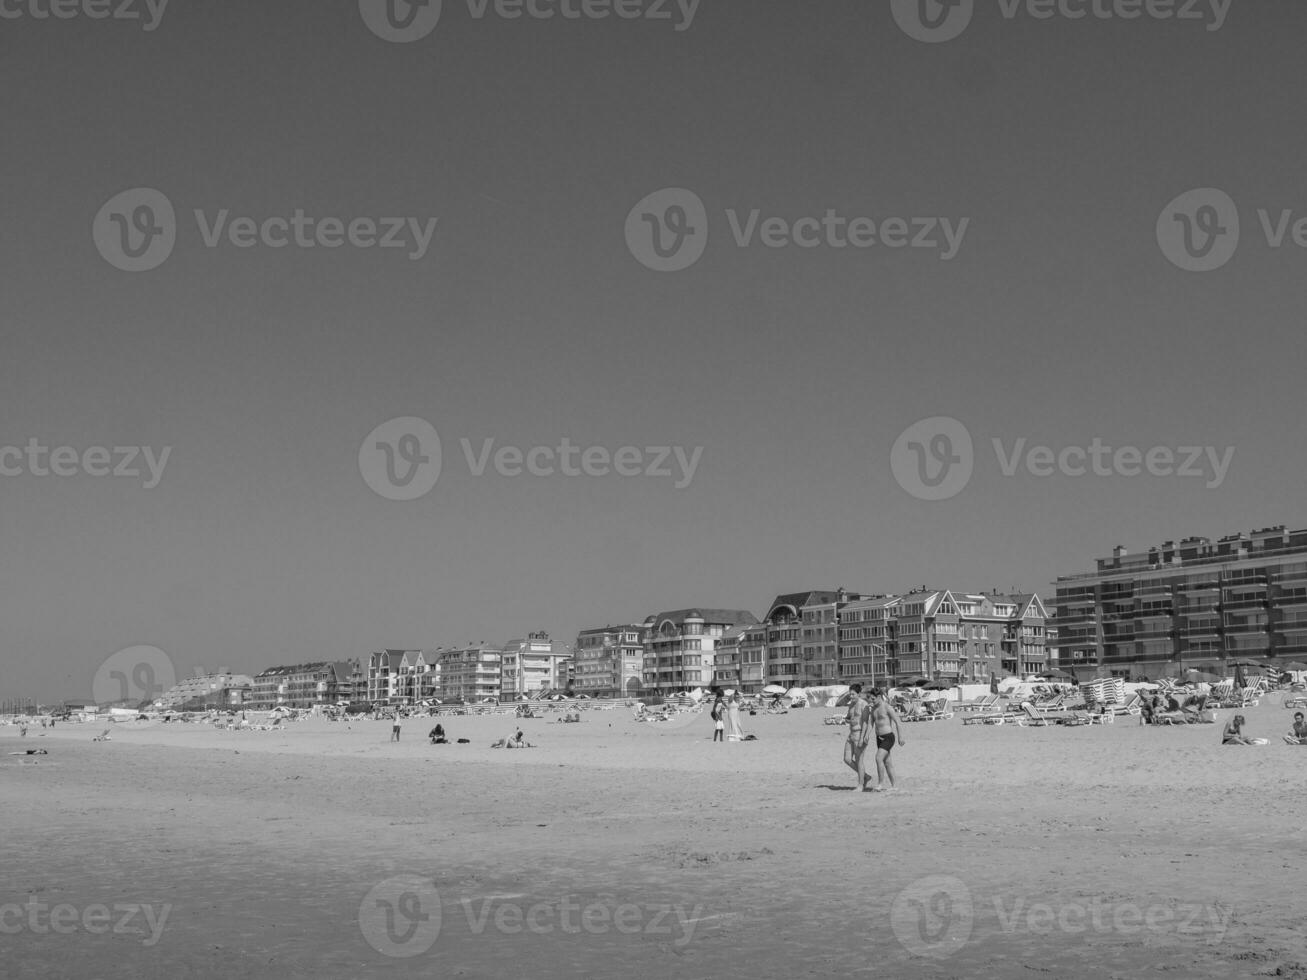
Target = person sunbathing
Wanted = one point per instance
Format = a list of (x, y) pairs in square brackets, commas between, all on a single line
[(1233, 734), (1298, 736)]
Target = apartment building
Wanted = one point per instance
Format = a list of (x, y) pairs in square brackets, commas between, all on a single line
[(1195, 604), (302, 685), (473, 673), (608, 661), (940, 634), (402, 676), (680, 647), (820, 639), (224, 690), (533, 665)]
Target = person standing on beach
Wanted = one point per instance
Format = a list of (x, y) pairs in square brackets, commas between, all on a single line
[(394, 730), (881, 721), (719, 718), (855, 743), (733, 731)]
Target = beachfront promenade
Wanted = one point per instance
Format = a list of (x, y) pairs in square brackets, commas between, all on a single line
[(1153, 849)]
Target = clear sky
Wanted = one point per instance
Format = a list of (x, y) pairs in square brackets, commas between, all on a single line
[(529, 320)]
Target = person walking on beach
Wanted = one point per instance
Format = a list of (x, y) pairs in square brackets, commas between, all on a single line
[(881, 721), (855, 743), (719, 718), (733, 731)]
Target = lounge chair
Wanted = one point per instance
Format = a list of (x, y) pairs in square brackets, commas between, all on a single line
[(1032, 717), (981, 704), (985, 717), (1296, 701)]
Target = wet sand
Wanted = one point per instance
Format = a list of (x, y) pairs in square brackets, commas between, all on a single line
[(617, 849)]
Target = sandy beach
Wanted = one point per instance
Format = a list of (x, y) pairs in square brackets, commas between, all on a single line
[(617, 849)]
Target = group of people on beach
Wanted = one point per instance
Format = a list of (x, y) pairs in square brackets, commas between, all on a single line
[(872, 718), (1234, 734), (726, 718)]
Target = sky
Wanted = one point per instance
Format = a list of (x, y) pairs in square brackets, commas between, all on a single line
[(1053, 148)]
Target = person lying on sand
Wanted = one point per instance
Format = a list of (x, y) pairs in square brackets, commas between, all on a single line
[(32, 752), (102, 737)]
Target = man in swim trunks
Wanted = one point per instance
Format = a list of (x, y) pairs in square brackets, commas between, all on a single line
[(855, 743), (1298, 736), (882, 721)]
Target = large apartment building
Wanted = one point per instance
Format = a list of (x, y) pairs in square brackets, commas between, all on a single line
[(608, 661), (532, 665), (940, 634), (1195, 604), (402, 676), (473, 673), (303, 685), (226, 690), (820, 640), (680, 647)]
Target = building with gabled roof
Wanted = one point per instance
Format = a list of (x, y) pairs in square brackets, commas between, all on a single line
[(680, 645)]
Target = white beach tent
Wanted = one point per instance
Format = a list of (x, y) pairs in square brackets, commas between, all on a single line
[(828, 695)]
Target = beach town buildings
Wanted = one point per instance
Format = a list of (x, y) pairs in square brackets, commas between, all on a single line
[(608, 661), (220, 690), (302, 685), (533, 665), (820, 640), (939, 634), (472, 673), (726, 660), (401, 676), (783, 655), (752, 646), (1195, 604), (680, 647)]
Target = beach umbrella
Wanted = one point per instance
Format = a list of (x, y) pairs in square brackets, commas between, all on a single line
[(937, 686), (773, 689), (1238, 677), (1055, 672), (993, 683), (1293, 665)]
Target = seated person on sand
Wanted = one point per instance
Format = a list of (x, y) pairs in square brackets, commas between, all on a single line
[(1233, 734), (1298, 736), (437, 736), (519, 741)]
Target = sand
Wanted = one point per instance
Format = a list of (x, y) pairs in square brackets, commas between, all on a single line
[(617, 849)]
